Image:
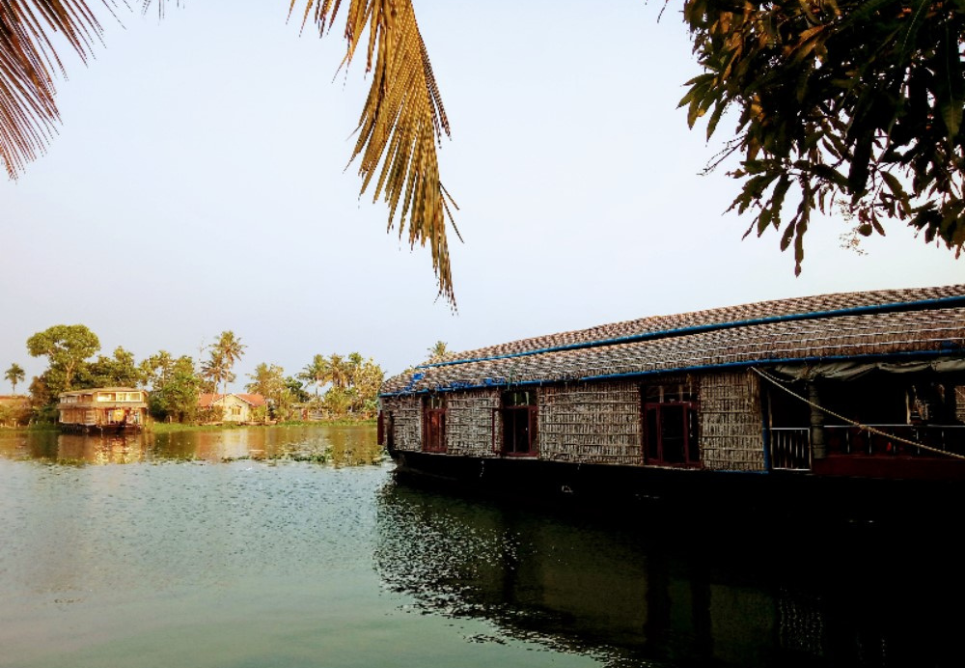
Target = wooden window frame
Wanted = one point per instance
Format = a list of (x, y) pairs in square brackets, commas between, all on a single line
[(386, 430), (532, 412), (690, 411), (434, 413)]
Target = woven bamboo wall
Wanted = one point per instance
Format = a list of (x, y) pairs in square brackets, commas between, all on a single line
[(407, 421), (593, 424), (469, 422), (731, 428)]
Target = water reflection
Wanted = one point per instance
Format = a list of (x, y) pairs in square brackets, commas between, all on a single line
[(335, 445), (657, 588)]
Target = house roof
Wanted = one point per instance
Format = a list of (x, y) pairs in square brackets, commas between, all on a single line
[(90, 390), (253, 400), (856, 325)]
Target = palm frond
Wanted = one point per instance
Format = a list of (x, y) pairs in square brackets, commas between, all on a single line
[(401, 123), (28, 63)]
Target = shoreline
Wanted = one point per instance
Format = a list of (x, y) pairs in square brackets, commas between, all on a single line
[(172, 427)]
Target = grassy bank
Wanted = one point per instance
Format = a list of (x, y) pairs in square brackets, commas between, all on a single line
[(41, 426), (343, 422), (172, 427)]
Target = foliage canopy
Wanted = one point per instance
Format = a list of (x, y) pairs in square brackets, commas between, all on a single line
[(856, 103), (66, 347), (175, 387)]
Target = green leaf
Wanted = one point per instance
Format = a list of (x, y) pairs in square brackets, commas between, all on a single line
[(829, 174)]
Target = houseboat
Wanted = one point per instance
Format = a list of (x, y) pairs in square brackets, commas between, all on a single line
[(840, 387), (103, 409)]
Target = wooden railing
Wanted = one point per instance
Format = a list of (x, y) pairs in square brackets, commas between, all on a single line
[(790, 448), (847, 440)]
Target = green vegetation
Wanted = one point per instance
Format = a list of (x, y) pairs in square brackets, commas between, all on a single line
[(175, 387), (175, 427), (66, 348), (353, 384), (176, 384), (23, 427), (14, 375), (854, 103), (268, 380), (438, 352), (224, 353)]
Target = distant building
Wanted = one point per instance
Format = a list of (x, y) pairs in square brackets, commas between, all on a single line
[(235, 407), (103, 409)]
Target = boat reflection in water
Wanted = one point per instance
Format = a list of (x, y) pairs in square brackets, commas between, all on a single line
[(655, 587)]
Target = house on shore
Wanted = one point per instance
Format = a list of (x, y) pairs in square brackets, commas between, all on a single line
[(844, 386), (238, 408), (102, 409)]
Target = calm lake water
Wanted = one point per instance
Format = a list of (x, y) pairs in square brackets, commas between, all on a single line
[(275, 547)]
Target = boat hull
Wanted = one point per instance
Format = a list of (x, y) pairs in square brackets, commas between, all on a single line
[(627, 488)]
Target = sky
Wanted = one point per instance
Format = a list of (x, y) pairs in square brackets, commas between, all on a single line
[(199, 182)]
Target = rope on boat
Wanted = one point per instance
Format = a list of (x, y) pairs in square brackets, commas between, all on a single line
[(853, 423)]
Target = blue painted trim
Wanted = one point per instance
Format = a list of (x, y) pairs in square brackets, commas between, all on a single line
[(882, 357), (924, 304)]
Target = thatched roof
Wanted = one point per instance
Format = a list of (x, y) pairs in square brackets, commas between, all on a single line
[(859, 325)]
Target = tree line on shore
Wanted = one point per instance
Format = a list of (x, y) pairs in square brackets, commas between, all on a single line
[(332, 387)]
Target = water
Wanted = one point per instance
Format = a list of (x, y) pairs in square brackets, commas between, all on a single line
[(264, 547)]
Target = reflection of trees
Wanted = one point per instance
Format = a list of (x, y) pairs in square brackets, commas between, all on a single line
[(348, 445), (678, 590)]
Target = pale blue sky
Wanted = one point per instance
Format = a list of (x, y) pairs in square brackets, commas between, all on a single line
[(197, 184)]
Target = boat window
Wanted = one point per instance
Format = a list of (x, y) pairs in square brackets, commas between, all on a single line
[(671, 429), (517, 423), (434, 423)]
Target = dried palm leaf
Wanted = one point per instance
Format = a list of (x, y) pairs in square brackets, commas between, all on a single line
[(400, 126), (28, 63), (401, 122)]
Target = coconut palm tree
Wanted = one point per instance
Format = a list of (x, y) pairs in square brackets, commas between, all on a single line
[(213, 370), (399, 128), (340, 371), (367, 384), (229, 347), (225, 352), (438, 352), (354, 364), (15, 374), (318, 373)]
